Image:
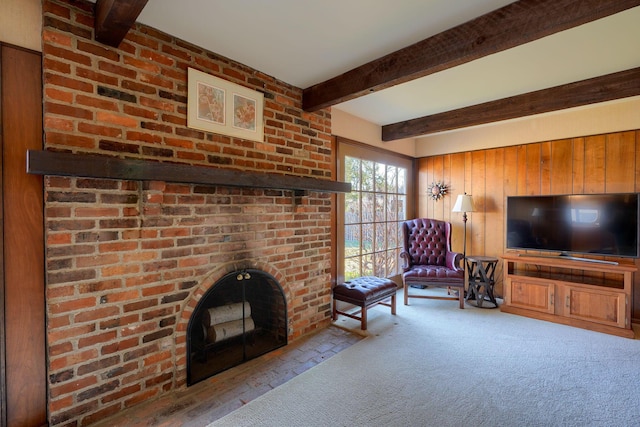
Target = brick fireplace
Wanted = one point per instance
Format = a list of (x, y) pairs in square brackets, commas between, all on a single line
[(128, 260)]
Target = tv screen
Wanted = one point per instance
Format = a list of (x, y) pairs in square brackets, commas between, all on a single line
[(597, 224)]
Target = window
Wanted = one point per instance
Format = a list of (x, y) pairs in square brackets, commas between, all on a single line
[(372, 213)]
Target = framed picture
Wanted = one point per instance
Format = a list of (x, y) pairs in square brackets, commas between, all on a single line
[(219, 106)]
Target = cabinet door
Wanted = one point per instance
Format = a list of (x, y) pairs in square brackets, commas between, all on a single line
[(594, 305), (537, 296)]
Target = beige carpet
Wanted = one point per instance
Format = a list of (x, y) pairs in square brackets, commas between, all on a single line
[(436, 365)]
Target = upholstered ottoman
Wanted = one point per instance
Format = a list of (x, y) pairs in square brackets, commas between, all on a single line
[(365, 292)]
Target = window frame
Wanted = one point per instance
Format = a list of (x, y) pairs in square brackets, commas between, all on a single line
[(350, 148)]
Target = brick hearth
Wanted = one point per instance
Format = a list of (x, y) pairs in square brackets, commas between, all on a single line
[(127, 261)]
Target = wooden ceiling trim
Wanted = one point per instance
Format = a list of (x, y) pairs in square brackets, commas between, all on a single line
[(515, 24), (618, 85), (114, 18)]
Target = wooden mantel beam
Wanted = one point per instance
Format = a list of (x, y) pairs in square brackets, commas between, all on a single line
[(510, 26), (619, 85), (114, 18), (100, 166)]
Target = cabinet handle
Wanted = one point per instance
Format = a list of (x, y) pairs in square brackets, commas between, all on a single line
[(551, 298), (567, 301)]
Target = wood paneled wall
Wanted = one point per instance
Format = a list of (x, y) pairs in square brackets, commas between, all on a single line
[(24, 381), (592, 164)]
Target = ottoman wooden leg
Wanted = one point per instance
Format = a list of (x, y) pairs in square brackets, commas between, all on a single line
[(363, 321), (393, 304)]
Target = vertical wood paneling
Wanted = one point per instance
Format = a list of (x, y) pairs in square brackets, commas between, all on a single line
[(494, 200), (468, 162), (26, 381), (510, 173), (591, 164), (429, 181), (421, 191), (457, 187), (477, 225), (620, 159), (577, 156), (594, 154), (447, 203), (545, 168), (561, 174), (533, 169), (521, 169), (494, 208), (438, 176), (467, 172)]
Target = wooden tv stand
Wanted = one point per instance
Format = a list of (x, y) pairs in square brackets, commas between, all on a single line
[(588, 295)]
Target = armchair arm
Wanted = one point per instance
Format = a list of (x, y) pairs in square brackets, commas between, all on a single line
[(406, 261), (453, 261)]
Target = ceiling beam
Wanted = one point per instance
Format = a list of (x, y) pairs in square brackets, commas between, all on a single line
[(623, 84), (114, 18), (515, 24)]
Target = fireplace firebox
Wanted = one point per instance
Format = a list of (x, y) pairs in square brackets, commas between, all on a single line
[(242, 316)]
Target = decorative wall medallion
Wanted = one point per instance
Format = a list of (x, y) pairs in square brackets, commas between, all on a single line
[(437, 190)]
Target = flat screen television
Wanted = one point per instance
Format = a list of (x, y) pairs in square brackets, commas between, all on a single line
[(594, 224)]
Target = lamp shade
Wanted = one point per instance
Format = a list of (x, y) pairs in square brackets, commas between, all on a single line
[(464, 203)]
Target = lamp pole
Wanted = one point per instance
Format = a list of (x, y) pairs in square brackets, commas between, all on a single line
[(464, 244), (464, 204)]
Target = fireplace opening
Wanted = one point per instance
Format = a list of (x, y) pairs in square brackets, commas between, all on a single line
[(242, 316)]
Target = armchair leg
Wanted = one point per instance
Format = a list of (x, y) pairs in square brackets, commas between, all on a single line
[(461, 297), (406, 294)]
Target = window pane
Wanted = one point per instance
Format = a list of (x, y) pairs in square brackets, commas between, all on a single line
[(380, 264), (402, 207), (380, 208), (367, 265), (381, 178), (402, 181), (352, 240), (380, 241), (392, 179), (392, 260), (367, 175), (367, 238), (368, 207), (392, 207), (392, 235), (352, 208), (352, 268), (352, 172)]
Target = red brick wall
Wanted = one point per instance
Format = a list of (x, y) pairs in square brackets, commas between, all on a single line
[(127, 261)]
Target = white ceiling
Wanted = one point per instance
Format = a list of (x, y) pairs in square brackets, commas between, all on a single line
[(307, 42)]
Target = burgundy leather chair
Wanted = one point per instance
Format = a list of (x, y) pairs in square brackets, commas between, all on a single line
[(428, 259)]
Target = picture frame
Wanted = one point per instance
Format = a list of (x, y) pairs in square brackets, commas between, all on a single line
[(219, 106)]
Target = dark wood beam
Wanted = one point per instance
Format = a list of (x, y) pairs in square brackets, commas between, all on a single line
[(598, 89), (114, 18), (515, 24), (96, 166)]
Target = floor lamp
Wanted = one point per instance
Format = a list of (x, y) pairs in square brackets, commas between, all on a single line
[(464, 204)]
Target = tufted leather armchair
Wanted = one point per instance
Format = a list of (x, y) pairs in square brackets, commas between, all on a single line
[(428, 259)]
